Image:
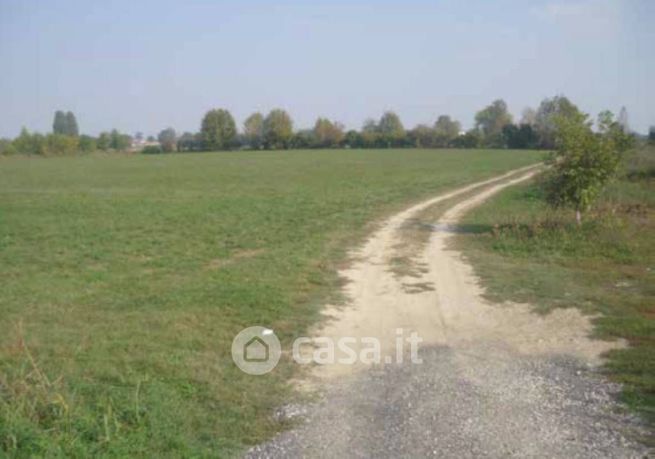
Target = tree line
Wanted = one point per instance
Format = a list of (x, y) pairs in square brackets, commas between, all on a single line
[(65, 139), (494, 128)]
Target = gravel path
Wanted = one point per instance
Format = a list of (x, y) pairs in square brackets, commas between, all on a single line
[(495, 381)]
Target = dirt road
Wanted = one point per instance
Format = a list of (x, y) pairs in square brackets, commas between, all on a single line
[(495, 380)]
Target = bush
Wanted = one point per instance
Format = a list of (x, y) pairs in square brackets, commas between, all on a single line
[(87, 143), (60, 144), (7, 148), (641, 164), (152, 150)]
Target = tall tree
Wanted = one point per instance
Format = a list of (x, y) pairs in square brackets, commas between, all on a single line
[(529, 116), (60, 123), (547, 115), (422, 136), (253, 130), (471, 139), (490, 121), (446, 130), (370, 134), (391, 129), (651, 135), (327, 134), (167, 139), (218, 130), (622, 138), (188, 142), (71, 125), (104, 141), (622, 120), (118, 141), (303, 139), (278, 129), (353, 139), (519, 137)]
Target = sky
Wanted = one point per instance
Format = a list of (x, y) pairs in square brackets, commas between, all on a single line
[(143, 65)]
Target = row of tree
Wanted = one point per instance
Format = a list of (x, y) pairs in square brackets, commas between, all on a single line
[(494, 128), (64, 139), (34, 143)]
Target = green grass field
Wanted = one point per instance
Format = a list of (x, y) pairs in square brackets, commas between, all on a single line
[(124, 279), (528, 253)]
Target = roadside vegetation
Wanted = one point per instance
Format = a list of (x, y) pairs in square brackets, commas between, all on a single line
[(526, 251), (125, 279)]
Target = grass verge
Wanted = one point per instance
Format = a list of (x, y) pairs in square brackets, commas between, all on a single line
[(525, 252)]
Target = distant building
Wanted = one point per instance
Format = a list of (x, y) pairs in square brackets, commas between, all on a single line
[(140, 144)]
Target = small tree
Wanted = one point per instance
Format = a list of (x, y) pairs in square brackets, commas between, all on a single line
[(87, 143), (651, 135), (167, 139), (6, 147), (583, 163), (58, 144)]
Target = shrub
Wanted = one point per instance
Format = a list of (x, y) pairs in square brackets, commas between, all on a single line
[(583, 163), (152, 150)]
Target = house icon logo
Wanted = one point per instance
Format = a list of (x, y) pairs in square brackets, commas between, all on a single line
[(256, 350)]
